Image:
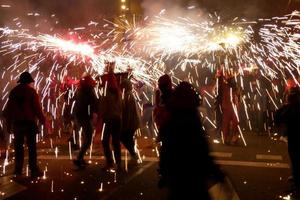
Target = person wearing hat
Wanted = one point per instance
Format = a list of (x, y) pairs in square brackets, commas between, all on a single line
[(21, 113)]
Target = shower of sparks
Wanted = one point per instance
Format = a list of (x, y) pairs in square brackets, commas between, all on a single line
[(268, 50)]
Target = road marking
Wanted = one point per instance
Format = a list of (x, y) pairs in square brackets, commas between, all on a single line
[(9, 188), (214, 153), (221, 162), (254, 164), (268, 157), (221, 154)]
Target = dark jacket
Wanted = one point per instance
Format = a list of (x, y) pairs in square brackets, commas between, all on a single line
[(185, 162), (23, 105), (110, 101), (85, 103), (130, 115), (288, 116)]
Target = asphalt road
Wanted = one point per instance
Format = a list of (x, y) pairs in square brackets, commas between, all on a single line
[(257, 171)]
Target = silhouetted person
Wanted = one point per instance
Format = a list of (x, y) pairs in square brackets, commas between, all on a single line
[(228, 102), (145, 95), (21, 113), (288, 115), (185, 163), (162, 101), (111, 113), (130, 118), (85, 109)]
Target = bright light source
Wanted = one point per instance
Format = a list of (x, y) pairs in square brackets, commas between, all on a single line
[(123, 1), (123, 7)]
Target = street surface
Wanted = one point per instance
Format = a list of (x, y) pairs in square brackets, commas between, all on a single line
[(257, 171)]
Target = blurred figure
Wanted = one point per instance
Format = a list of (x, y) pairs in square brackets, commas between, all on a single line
[(111, 113), (145, 94), (162, 100), (227, 101), (183, 137), (257, 110), (85, 109), (217, 106), (68, 120), (21, 113), (130, 119), (288, 116)]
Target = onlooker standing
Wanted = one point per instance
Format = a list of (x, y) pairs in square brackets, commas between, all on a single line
[(288, 115), (21, 114), (84, 110), (130, 118), (228, 100), (162, 101), (184, 138), (111, 113)]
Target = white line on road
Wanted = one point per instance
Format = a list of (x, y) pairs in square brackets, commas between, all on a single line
[(221, 154), (221, 162), (268, 157), (254, 164)]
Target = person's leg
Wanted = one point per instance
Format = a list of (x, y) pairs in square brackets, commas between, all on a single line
[(295, 162), (31, 144), (31, 132), (151, 124), (74, 135), (116, 133), (125, 138), (87, 130), (106, 143), (19, 152), (218, 119), (128, 141), (225, 126), (235, 130)]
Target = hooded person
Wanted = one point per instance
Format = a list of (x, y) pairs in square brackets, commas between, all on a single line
[(184, 138), (21, 113)]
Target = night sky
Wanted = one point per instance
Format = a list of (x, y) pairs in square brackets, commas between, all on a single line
[(80, 12)]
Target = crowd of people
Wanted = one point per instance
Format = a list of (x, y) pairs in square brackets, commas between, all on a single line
[(107, 105)]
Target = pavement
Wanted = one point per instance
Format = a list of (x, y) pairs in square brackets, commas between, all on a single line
[(257, 171)]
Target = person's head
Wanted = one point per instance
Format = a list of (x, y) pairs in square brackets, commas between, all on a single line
[(126, 85), (228, 73), (25, 78), (294, 95), (165, 83), (87, 80), (185, 97), (110, 66)]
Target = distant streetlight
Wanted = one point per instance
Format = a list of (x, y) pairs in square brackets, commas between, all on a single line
[(123, 7)]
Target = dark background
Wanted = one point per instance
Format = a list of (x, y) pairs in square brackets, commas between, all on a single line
[(80, 12)]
